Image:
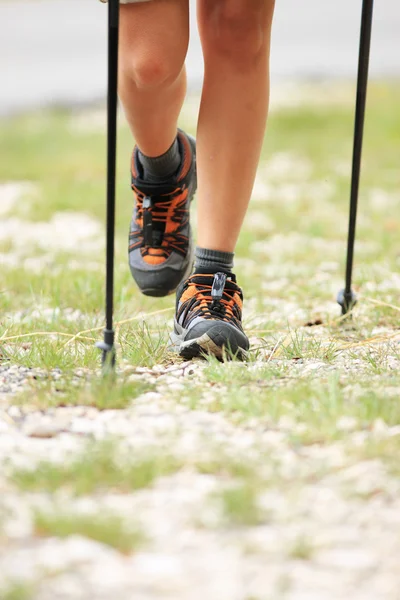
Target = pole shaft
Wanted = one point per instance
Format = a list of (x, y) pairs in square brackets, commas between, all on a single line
[(362, 83), (113, 17)]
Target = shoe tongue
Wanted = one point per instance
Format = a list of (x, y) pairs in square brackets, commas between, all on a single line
[(154, 229), (203, 274), (208, 279), (156, 190)]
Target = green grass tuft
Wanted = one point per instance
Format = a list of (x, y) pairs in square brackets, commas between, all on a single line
[(106, 529), (101, 393), (17, 591), (302, 549), (101, 467), (240, 504)]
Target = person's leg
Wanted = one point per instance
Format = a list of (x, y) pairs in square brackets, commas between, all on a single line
[(154, 38), (235, 35), (152, 85)]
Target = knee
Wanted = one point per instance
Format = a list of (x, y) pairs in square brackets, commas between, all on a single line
[(149, 70), (239, 29)]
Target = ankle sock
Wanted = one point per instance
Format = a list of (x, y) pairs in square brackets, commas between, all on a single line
[(161, 167), (213, 261)]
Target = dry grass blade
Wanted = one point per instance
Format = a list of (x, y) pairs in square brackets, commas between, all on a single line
[(379, 339), (341, 318), (119, 323), (81, 334), (274, 349), (45, 334), (380, 303)]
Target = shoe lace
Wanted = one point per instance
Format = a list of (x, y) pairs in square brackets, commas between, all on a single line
[(161, 221), (215, 300)]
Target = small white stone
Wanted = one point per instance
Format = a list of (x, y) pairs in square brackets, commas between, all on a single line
[(4, 427), (312, 366), (346, 424), (287, 423), (158, 565), (14, 412), (41, 430), (380, 428), (85, 426), (345, 558)]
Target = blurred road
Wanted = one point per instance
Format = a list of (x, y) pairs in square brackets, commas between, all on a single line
[(54, 51)]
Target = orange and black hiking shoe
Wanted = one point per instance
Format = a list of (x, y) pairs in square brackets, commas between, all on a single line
[(208, 317), (160, 239)]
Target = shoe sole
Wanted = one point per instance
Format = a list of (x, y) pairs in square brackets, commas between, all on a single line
[(161, 293), (205, 346)]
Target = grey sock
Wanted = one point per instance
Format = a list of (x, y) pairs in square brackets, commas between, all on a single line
[(161, 167), (212, 261)]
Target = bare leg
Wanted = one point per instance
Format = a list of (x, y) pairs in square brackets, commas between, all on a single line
[(152, 77), (235, 36)]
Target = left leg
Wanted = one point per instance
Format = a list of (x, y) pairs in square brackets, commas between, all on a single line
[(235, 35)]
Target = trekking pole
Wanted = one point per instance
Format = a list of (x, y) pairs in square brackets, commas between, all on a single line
[(347, 298), (107, 345)]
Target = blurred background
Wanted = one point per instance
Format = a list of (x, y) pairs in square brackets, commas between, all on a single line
[(66, 44)]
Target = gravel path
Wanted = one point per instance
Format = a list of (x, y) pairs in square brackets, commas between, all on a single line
[(329, 530)]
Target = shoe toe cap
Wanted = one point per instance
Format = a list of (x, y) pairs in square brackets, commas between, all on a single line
[(221, 334), (159, 280), (157, 283)]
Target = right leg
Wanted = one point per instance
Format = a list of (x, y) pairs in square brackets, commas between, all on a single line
[(154, 37)]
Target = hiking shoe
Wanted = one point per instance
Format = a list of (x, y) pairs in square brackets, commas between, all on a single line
[(208, 317), (161, 249)]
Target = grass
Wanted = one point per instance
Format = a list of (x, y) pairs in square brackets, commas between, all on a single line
[(56, 343), (387, 450), (69, 169), (219, 463), (110, 530), (105, 466), (300, 345), (316, 402), (241, 478), (239, 504), (101, 467), (17, 591), (306, 364), (104, 394), (302, 549)]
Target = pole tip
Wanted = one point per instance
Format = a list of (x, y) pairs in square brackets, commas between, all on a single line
[(347, 300), (108, 351)]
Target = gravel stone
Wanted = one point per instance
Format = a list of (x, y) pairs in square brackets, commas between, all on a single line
[(42, 430)]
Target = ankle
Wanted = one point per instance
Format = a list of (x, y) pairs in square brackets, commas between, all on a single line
[(159, 168), (212, 261)]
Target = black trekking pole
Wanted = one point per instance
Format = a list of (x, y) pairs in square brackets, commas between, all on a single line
[(347, 298), (107, 345)]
